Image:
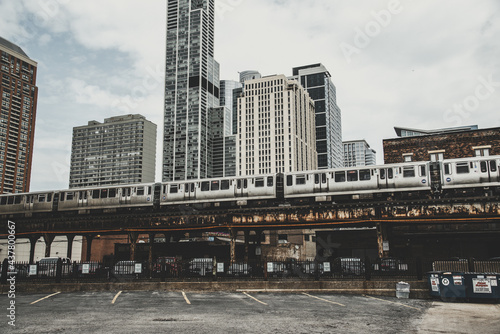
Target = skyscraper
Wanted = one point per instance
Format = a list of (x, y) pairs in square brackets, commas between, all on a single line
[(18, 94), (317, 80), (121, 150), (191, 89), (358, 153)]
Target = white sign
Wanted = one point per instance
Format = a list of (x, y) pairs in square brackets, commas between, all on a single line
[(270, 267), (481, 285), (85, 268), (445, 282), (385, 246), (326, 267), (220, 267), (32, 269), (435, 284), (138, 268)]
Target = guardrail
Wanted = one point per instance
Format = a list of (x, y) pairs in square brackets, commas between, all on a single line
[(165, 269)]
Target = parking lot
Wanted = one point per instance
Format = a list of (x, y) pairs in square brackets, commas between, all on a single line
[(221, 312)]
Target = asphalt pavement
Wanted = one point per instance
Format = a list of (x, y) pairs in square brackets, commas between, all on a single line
[(240, 312)]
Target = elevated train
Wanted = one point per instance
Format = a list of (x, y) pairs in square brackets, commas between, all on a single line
[(479, 176)]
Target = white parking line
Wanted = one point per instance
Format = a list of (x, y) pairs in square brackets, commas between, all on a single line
[(186, 298), (116, 297), (246, 294), (325, 300), (388, 301), (36, 301)]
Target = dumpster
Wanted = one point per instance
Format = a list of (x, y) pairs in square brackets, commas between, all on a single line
[(483, 286), (452, 286), (433, 279)]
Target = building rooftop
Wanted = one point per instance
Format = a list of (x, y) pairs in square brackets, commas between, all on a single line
[(410, 132), (12, 46)]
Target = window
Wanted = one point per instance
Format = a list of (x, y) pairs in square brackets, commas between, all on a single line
[(41, 198), (215, 186), (364, 175), (423, 171), (352, 176), (174, 188), (482, 151), (447, 169), (408, 157), (205, 186), (289, 180), (462, 168), (408, 171), (259, 182), (493, 166), (282, 238), (300, 179), (224, 184), (339, 176), (140, 191), (270, 181), (436, 155)]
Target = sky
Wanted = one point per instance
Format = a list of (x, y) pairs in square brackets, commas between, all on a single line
[(421, 64)]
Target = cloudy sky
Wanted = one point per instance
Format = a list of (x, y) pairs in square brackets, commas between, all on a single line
[(423, 64)]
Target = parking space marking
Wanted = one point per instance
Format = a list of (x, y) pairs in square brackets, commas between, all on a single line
[(39, 300), (388, 301), (186, 298), (325, 300), (116, 297), (246, 294)]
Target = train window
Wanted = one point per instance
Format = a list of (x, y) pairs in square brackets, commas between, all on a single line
[(270, 181), (382, 174), (104, 193), (493, 166), (352, 175), (245, 183), (17, 200), (205, 186), (215, 186), (316, 178), (174, 189), (390, 174), (69, 196), (3, 201), (224, 184), (423, 171), (112, 193), (300, 179), (95, 193), (164, 189), (192, 187), (289, 180), (462, 168), (41, 198), (140, 191), (238, 184), (484, 167), (339, 176), (62, 197), (323, 178), (408, 171), (10, 200), (149, 190), (49, 197), (364, 175), (447, 169), (259, 182)]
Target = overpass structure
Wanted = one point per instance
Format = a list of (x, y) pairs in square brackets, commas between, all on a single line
[(482, 212)]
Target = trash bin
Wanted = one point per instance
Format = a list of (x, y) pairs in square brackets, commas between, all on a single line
[(433, 279), (402, 290), (483, 286), (452, 286)]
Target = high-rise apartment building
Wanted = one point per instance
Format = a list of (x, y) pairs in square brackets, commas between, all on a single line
[(191, 89), (358, 153), (18, 94), (276, 130), (122, 150), (317, 81)]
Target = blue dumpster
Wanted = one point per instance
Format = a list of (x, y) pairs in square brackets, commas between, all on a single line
[(452, 286), (433, 279), (483, 286)]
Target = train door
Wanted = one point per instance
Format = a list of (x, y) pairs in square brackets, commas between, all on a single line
[(125, 195), (489, 171), (189, 191), (320, 183), (82, 198), (241, 189), (386, 178), (28, 202)]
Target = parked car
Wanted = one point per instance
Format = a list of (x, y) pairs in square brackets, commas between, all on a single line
[(48, 266)]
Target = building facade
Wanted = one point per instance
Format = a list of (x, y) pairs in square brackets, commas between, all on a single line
[(358, 153), (223, 143), (317, 81), (122, 150), (191, 89), (442, 144), (18, 94), (276, 129)]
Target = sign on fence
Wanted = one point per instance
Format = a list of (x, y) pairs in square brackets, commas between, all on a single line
[(32, 270), (138, 268), (85, 268)]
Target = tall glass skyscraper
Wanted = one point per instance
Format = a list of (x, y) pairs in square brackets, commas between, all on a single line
[(317, 80), (191, 89)]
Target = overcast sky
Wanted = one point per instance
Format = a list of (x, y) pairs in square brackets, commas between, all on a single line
[(424, 64)]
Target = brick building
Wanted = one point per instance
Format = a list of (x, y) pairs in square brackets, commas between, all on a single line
[(441, 144)]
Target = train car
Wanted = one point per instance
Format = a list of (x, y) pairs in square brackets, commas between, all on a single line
[(107, 198), (364, 182), (215, 191), (26, 204), (470, 174)]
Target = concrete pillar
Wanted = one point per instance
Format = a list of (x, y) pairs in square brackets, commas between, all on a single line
[(48, 243), (133, 236), (89, 239), (233, 234), (247, 237), (70, 245), (150, 258), (33, 240), (383, 240)]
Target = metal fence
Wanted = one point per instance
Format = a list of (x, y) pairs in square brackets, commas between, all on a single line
[(169, 268)]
